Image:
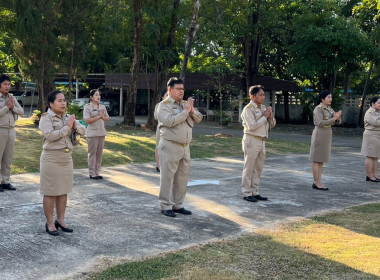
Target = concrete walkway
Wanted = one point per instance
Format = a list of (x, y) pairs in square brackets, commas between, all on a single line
[(119, 219)]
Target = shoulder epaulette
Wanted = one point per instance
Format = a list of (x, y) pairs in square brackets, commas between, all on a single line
[(249, 105), (184, 101), (167, 101), (87, 104), (370, 110), (44, 114), (320, 106)]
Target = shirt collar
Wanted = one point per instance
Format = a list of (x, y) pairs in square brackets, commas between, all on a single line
[(51, 113), (254, 104), (324, 106)]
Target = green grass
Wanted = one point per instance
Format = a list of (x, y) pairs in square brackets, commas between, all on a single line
[(125, 146), (309, 249)]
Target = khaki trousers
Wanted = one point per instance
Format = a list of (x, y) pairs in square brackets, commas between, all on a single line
[(254, 158), (95, 154), (175, 170), (7, 144)]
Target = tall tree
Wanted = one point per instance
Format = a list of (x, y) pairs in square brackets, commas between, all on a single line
[(75, 37), (35, 42), (129, 111), (163, 34), (190, 37)]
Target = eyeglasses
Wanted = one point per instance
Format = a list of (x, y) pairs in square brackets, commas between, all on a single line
[(180, 88)]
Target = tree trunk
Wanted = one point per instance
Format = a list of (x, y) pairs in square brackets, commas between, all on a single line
[(365, 94), (130, 104), (346, 85), (161, 70), (71, 74), (251, 50), (286, 106), (190, 36)]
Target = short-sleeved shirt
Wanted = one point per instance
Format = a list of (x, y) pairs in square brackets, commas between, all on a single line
[(57, 135), (96, 128)]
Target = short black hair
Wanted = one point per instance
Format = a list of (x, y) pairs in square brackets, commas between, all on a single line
[(253, 90), (324, 94), (374, 100), (53, 95), (3, 78), (174, 81)]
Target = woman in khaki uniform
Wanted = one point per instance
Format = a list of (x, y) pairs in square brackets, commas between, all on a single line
[(371, 140), (320, 149), (56, 164), (95, 115)]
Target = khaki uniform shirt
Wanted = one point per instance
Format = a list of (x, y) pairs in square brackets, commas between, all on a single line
[(57, 135), (8, 116), (176, 123), (323, 116), (372, 120), (97, 128), (254, 122)]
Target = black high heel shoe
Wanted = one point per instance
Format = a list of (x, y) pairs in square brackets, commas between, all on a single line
[(370, 180), (314, 186), (54, 232), (65, 229)]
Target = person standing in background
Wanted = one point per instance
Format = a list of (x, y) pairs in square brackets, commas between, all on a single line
[(9, 112), (257, 120), (320, 149), (371, 140), (158, 132), (95, 115)]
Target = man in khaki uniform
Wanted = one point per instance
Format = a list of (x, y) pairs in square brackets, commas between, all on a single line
[(176, 120), (257, 121), (9, 111)]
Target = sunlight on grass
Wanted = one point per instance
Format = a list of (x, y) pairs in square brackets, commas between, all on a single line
[(359, 251)]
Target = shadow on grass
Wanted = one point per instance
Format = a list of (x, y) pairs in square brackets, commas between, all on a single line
[(248, 257)]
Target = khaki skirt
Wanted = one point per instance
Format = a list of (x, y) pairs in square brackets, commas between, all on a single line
[(371, 143), (320, 148), (56, 172)]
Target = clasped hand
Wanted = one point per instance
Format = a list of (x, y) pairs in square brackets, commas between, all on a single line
[(268, 113), (189, 105), (71, 123), (338, 115), (11, 102)]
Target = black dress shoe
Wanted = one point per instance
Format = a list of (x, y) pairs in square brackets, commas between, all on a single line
[(158, 169), (250, 198), (259, 197), (95, 177), (8, 187), (314, 186), (369, 179), (182, 211), (100, 177), (65, 229), (168, 213), (1, 189), (54, 232)]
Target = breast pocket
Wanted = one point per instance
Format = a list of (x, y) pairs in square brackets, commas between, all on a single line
[(94, 113)]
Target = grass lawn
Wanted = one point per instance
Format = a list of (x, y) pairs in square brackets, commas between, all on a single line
[(125, 146), (340, 245)]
